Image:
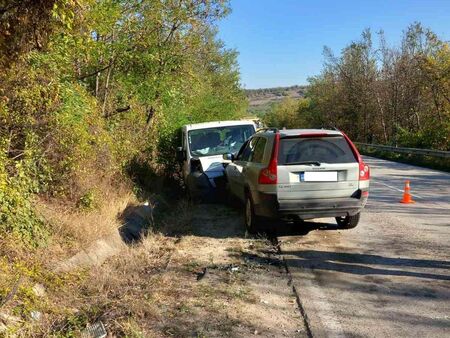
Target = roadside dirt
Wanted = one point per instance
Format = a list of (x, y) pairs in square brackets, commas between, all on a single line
[(198, 276), (244, 275)]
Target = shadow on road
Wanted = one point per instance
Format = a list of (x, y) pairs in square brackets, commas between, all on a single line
[(219, 221), (360, 264), (283, 228), (216, 220)]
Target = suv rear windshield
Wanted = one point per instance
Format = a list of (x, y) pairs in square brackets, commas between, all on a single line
[(333, 149)]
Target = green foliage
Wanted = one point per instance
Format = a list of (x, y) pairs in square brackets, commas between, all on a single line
[(289, 113), (105, 85), (387, 95), (26, 25), (17, 215), (87, 201), (79, 135)]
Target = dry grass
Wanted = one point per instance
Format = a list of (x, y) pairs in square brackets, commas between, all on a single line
[(148, 290), (71, 230), (151, 289), (74, 229)]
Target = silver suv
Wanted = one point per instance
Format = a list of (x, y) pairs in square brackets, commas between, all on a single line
[(299, 174)]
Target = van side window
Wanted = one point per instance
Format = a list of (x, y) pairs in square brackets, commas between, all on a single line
[(258, 153)]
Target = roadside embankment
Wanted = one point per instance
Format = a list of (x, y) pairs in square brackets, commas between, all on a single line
[(425, 161)]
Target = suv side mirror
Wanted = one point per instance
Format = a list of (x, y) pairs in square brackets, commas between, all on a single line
[(228, 157), (181, 154)]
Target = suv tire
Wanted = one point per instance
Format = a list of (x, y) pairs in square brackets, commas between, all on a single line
[(348, 222), (250, 219)]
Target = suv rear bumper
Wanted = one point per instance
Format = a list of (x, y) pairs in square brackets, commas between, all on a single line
[(267, 205)]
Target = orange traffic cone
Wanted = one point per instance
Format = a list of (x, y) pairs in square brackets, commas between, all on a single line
[(407, 195)]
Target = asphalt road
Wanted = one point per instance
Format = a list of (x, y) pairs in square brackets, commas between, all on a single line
[(390, 276)]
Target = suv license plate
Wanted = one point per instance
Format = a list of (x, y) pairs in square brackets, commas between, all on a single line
[(318, 176)]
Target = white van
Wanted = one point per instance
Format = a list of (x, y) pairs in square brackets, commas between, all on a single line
[(203, 145)]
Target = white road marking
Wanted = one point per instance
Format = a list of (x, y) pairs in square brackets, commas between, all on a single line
[(393, 188)]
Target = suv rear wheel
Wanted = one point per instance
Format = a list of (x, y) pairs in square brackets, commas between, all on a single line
[(250, 217), (348, 222)]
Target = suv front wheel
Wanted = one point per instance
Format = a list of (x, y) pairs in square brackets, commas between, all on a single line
[(348, 222)]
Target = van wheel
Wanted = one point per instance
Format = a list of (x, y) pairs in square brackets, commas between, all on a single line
[(250, 217), (348, 222)]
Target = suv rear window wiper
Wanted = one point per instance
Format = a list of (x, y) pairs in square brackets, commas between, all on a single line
[(304, 162)]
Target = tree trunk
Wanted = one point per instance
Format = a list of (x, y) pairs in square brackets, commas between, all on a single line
[(105, 96)]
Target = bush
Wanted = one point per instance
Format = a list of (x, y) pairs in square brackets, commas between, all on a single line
[(17, 215)]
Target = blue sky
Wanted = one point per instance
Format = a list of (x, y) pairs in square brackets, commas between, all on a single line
[(281, 41)]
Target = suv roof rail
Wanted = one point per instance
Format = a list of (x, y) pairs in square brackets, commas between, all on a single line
[(330, 127), (273, 130)]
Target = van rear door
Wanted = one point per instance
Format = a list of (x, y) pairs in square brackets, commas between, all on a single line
[(316, 166)]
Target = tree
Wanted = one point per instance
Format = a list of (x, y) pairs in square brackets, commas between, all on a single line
[(289, 113), (26, 25), (386, 94)]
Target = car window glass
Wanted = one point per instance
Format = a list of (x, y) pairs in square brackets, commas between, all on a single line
[(258, 153), (248, 150), (241, 151), (323, 150)]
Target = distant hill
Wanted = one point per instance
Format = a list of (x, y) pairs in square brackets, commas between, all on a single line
[(260, 100)]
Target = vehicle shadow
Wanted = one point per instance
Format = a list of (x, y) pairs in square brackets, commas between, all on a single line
[(298, 228), (220, 221), (362, 264)]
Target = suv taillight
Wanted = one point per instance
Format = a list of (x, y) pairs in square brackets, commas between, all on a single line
[(364, 170), (269, 175)]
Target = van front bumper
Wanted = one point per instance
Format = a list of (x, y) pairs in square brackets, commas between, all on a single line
[(267, 205), (201, 186)]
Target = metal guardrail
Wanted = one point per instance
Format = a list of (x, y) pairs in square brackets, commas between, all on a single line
[(415, 151)]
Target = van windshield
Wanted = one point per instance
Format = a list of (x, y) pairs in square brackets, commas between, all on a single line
[(219, 140)]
